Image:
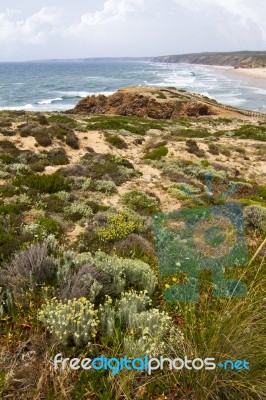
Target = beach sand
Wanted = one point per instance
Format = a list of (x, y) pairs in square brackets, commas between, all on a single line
[(256, 73), (253, 76)]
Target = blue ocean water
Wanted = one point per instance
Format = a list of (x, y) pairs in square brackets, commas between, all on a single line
[(59, 85)]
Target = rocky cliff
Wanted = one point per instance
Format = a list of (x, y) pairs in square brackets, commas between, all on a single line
[(238, 59), (152, 102)]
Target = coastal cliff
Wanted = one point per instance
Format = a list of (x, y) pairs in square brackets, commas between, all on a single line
[(155, 103), (234, 59)]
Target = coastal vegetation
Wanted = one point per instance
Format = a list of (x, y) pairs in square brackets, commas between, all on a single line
[(79, 273)]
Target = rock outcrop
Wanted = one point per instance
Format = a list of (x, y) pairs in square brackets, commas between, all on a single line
[(144, 102)]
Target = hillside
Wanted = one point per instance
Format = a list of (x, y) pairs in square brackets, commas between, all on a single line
[(79, 272), (243, 59)]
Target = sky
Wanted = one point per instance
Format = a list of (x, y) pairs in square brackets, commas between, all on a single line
[(47, 29)]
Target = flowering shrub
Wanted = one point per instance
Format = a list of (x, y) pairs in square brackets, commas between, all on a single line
[(130, 304), (120, 225), (148, 332), (73, 322)]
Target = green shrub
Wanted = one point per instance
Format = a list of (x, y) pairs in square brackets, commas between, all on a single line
[(193, 148), (5, 124), (72, 140), (7, 159), (108, 167), (129, 304), (119, 226), (251, 132), (205, 163), (161, 95), (255, 218), (126, 273), (57, 156), (43, 183), (63, 119), (141, 201), (102, 186), (136, 246), (48, 226), (156, 154), (226, 152), (116, 141), (214, 149), (78, 210), (37, 167), (42, 120), (43, 139), (132, 124), (11, 235), (9, 147), (74, 322), (149, 331)]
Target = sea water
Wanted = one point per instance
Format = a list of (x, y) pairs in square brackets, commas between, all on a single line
[(59, 85)]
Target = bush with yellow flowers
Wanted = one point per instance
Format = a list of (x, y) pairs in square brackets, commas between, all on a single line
[(120, 225), (75, 321)]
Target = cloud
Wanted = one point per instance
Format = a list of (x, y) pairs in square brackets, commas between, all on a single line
[(35, 29), (131, 27), (247, 13), (113, 10)]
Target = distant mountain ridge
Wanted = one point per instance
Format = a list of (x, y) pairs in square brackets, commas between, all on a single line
[(241, 59)]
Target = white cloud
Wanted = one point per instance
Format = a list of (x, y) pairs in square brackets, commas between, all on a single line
[(130, 27), (246, 11), (34, 29), (112, 10)]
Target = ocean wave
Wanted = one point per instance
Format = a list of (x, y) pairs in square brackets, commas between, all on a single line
[(26, 107), (49, 101), (81, 94)]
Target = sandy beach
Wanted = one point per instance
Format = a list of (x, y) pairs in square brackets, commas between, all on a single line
[(256, 76), (257, 73)]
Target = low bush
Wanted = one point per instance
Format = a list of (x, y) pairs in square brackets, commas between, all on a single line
[(214, 149), (37, 167), (28, 269), (43, 183), (63, 119), (193, 148), (43, 120), (107, 167), (89, 282), (72, 140), (43, 139), (74, 322), (136, 246), (78, 210), (118, 226), (7, 159), (107, 187), (255, 218), (116, 141), (156, 154), (142, 202)]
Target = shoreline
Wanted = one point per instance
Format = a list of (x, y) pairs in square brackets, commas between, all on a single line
[(255, 73)]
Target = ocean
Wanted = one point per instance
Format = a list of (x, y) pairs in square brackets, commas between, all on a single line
[(59, 85)]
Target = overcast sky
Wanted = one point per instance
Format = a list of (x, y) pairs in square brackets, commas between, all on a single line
[(44, 29)]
